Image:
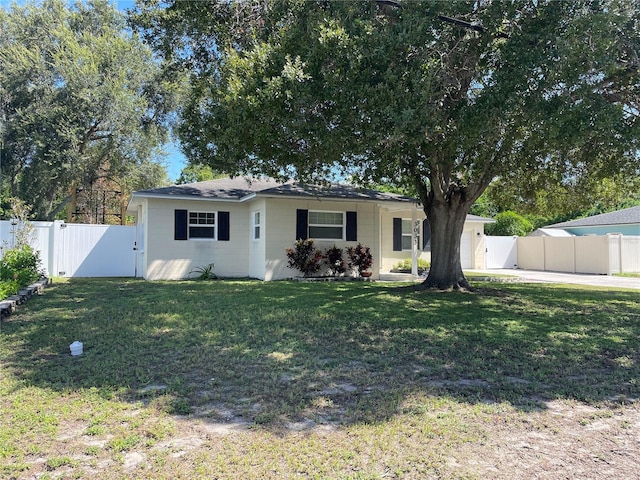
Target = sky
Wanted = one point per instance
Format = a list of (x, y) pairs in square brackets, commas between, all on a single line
[(175, 160)]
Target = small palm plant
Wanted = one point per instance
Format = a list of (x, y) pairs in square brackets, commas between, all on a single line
[(204, 273)]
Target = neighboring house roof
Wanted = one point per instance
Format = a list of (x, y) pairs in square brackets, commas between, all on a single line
[(627, 216), (550, 232), (240, 189)]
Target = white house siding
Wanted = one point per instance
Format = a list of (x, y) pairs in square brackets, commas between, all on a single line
[(280, 230), (477, 243), (171, 259)]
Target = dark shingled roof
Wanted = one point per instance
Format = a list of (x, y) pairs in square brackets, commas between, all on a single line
[(240, 187), (628, 216)]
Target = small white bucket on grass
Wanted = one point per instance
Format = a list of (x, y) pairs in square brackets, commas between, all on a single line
[(76, 348)]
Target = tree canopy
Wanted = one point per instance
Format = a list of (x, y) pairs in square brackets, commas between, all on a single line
[(509, 223), (197, 173), (445, 97), (83, 101)]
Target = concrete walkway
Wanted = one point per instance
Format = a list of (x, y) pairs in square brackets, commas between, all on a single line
[(574, 278)]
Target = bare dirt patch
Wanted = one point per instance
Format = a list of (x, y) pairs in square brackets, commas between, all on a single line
[(567, 440)]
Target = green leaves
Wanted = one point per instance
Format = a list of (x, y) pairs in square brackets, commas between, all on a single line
[(84, 101), (444, 96)]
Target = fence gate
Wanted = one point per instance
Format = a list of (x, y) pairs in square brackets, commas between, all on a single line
[(95, 250), (502, 252)]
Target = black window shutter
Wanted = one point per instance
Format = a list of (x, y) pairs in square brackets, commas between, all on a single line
[(352, 227), (426, 235), (223, 226), (180, 225), (397, 234), (302, 224)]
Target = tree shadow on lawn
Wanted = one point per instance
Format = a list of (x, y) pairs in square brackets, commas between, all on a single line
[(333, 353)]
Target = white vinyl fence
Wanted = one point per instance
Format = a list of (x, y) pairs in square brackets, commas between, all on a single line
[(502, 252), (601, 254), (79, 250)]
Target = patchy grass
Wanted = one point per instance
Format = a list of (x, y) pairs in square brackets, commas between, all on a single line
[(243, 379), (628, 274)]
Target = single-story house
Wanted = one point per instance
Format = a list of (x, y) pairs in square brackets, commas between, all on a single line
[(243, 227), (625, 222)]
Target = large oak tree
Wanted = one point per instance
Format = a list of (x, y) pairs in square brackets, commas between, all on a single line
[(82, 101), (445, 97)]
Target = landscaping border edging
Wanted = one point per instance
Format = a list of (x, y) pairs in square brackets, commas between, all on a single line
[(10, 304)]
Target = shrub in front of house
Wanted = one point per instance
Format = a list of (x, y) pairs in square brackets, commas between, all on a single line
[(405, 266), (335, 262), (360, 258), (304, 257), (19, 267)]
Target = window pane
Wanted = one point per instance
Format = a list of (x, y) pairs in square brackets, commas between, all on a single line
[(325, 218), (406, 227), (256, 233), (406, 242), (333, 233), (256, 218), (202, 232), (202, 218)]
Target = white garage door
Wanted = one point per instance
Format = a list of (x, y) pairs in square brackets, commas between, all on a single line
[(465, 250)]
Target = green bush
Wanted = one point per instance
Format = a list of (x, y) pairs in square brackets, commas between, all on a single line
[(8, 288), (508, 224), (406, 265), (360, 258), (20, 266), (304, 256), (335, 261)]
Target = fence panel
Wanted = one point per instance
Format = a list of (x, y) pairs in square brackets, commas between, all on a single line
[(592, 254), (79, 250), (630, 254), (559, 254), (40, 239), (531, 253), (502, 252)]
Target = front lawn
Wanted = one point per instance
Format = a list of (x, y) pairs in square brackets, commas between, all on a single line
[(243, 379)]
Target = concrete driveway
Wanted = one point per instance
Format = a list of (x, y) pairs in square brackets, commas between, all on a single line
[(575, 278)]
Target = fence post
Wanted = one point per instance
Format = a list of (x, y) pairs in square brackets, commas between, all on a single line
[(620, 240), (57, 248)]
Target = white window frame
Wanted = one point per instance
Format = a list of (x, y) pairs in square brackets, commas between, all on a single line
[(410, 235), (213, 225), (343, 225), (257, 225)]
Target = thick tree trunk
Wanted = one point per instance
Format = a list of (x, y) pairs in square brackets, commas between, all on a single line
[(447, 223)]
